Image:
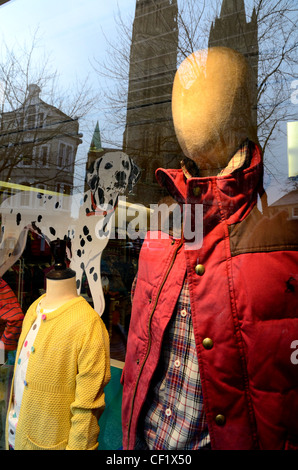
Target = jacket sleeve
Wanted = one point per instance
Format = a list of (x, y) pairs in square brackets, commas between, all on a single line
[(11, 315), (93, 375)]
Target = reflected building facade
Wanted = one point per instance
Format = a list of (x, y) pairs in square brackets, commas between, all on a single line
[(38, 145)]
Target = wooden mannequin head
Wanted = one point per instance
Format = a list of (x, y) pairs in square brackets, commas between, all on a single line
[(212, 107)]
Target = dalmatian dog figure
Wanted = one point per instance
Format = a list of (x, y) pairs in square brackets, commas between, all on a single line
[(51, 216)]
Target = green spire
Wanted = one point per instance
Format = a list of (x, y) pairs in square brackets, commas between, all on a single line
[(96, 140)]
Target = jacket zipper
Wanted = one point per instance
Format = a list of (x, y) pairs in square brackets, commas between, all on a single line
[(149, 335)]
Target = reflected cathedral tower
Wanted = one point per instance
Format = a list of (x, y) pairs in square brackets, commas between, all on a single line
[(231, 29), (149, 136)]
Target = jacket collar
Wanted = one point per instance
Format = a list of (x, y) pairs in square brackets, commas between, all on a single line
[(230, 195)]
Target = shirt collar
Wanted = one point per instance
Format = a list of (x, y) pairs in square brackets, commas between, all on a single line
[(240, 160)]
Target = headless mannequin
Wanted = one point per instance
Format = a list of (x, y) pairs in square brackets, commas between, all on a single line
[(211, 107), (61, 281)]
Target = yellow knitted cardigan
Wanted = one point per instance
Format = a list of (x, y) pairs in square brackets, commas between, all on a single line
[(66, 376)]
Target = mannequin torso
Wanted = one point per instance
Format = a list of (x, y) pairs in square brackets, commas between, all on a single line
[(58, 292)]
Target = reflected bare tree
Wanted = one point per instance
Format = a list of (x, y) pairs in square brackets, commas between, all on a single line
[(29, 126)]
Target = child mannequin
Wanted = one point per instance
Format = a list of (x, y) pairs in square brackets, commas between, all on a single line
[(62, 367)]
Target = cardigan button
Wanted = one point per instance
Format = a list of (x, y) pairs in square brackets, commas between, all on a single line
[(200, 269), (207, 343), (220, 420)]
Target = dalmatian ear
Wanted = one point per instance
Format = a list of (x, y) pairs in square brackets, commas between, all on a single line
[(92, 176), (89, 173), (134, 176)]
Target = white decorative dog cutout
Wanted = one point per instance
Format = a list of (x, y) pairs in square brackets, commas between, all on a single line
[(51, 217)]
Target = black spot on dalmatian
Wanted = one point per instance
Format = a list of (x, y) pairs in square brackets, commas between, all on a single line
[(82, 242), (78, 283), (11, 211), (52, 230), (85, 230), (125, 164), (89, 238), (50, 197), (18, 218), (101, 196), (39, 218), (79, 253), (85, 197), (95, 277), (37, 229), (91, 270), (82, 266), (39, 196), (57, 205), (87, 210)]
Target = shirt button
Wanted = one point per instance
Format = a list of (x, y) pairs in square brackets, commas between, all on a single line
[(168, 412), (207, 343), (196, 191), (177, 363), (200, 269), (183, 313)]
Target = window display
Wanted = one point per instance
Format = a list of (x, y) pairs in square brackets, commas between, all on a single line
[(155, 138)]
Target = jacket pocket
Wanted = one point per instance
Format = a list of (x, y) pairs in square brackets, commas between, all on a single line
[(31, 445)]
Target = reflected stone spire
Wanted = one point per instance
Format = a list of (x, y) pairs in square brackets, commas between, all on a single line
[(96, 140)]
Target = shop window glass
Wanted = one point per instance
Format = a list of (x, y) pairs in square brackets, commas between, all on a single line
[(60, 135)]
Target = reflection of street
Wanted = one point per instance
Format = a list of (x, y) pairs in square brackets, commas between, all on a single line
[(119, 265)]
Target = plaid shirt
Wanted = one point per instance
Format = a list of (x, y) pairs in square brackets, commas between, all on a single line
[(174, 412)]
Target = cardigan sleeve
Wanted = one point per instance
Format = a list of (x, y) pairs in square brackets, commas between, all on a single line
[(93, 375), (11, 318)]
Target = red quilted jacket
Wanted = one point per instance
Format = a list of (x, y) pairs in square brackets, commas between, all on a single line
[(243, 284)]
